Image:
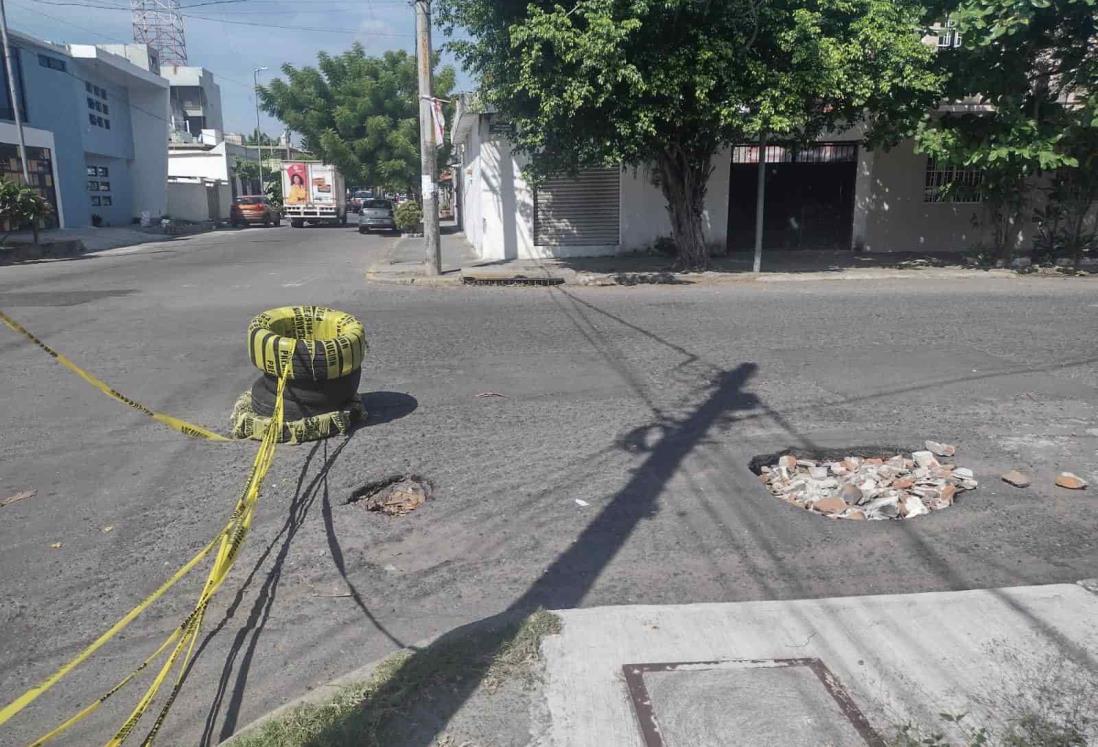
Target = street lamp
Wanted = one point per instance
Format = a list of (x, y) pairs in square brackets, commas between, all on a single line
[(258, 132)]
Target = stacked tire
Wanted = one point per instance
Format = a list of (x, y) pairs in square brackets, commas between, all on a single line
[(324, 350)]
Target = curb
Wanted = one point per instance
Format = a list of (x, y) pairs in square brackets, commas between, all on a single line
[(390, 278), (325, 691)]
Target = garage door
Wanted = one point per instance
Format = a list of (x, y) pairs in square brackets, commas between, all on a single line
[(580, 210)]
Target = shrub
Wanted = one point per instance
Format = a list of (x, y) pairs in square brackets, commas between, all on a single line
[(408, 216)]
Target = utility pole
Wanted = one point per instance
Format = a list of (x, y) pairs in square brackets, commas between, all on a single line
[(427, 145), (258, 132), (14, 95), (760, 204)]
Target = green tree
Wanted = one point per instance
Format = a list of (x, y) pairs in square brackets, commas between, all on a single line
[(1027, 69), (258, 137), (669, 82), (21, 206), (249, 171), (360, 113)]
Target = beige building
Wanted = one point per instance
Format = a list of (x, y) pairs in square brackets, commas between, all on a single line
[(835, 194)]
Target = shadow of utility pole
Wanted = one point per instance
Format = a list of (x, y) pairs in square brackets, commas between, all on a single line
[(568, 578)]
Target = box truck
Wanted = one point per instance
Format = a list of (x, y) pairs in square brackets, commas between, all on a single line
[(313, 192)]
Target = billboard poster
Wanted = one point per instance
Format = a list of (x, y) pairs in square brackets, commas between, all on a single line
[(320, 184), (296, 178)]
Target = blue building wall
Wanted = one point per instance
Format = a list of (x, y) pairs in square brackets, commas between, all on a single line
[(60, 101), (51, 104)]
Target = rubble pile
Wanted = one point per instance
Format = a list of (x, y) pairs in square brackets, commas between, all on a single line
[(870, 488)]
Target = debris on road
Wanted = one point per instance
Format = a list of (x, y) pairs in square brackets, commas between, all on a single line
[(21, 495), (940, 449), (395, 496), (107, 529), (485, 395), (875, 488), (56, 545), (1016, 478), (582, 503), (1071, 481)]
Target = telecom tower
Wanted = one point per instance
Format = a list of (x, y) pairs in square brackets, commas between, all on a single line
[(158, 24)]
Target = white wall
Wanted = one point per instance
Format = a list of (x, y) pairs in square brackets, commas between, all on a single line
[(890, 192), (207, 164), (644, 215), (187, 200)]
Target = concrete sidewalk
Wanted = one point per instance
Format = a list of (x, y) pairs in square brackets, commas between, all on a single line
[(403, 264), (844, 671)]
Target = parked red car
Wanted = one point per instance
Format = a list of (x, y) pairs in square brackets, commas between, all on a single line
[(252, 209)]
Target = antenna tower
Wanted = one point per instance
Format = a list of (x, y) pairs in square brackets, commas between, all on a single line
[(158, 24)]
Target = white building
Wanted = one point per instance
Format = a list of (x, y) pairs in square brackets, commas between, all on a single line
[(836, 194)]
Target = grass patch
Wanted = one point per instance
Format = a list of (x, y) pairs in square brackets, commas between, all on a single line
[(1053, 703), (362, 714)]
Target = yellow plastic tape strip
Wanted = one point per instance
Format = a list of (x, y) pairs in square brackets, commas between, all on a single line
[(187, 429), (228, 542), (29, 696)]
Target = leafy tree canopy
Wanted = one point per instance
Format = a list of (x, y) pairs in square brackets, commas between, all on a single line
[(358, 112), (1027, 70), (668, 82)]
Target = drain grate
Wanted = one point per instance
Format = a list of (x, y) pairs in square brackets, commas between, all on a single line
[(395, 495), (510, 280)]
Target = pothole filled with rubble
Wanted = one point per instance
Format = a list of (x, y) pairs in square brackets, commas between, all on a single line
[(394, 496), (868, 484)]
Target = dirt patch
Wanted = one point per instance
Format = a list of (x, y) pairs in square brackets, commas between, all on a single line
[(394, 496)]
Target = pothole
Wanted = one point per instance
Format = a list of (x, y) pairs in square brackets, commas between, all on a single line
[(395, 495), (866, 483)]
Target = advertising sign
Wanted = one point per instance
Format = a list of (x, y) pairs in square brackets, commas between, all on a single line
[(320, 184), (296, 177)]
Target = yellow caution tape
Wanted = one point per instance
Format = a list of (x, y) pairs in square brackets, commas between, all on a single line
[(187, 429), (228, 543)]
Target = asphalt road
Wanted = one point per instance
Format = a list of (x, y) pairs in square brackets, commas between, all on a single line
[(646, 403)]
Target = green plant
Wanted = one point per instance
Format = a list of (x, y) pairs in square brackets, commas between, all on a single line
[(21, 206), (667, 83), (1031, 64), (358, 112), (408, 215)]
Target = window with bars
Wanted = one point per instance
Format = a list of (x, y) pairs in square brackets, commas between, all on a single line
[(815, 153), (945, 183)]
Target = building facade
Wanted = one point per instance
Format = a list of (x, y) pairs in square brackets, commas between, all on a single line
[(834, 194), (95, 126)]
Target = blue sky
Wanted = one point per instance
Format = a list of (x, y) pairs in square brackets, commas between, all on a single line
[(233, 37)]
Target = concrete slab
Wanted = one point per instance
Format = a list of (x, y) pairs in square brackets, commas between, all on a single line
[(899, 659)]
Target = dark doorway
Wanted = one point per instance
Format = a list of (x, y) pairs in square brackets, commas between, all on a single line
[(809, 196)]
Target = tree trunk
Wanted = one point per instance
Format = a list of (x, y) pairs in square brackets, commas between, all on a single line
[(683, 179)]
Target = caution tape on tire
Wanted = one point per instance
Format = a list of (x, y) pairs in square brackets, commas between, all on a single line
[(181, 641), (176, 424)]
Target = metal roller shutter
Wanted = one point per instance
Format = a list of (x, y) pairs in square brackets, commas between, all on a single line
[(580, 210)]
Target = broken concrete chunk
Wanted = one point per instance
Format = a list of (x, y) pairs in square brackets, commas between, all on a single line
[(944, 450), (818, 473), (788, 461), (913, 506), (851, 494), (924, 459), (1016, 478), (1071, 481), (831, 505)]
